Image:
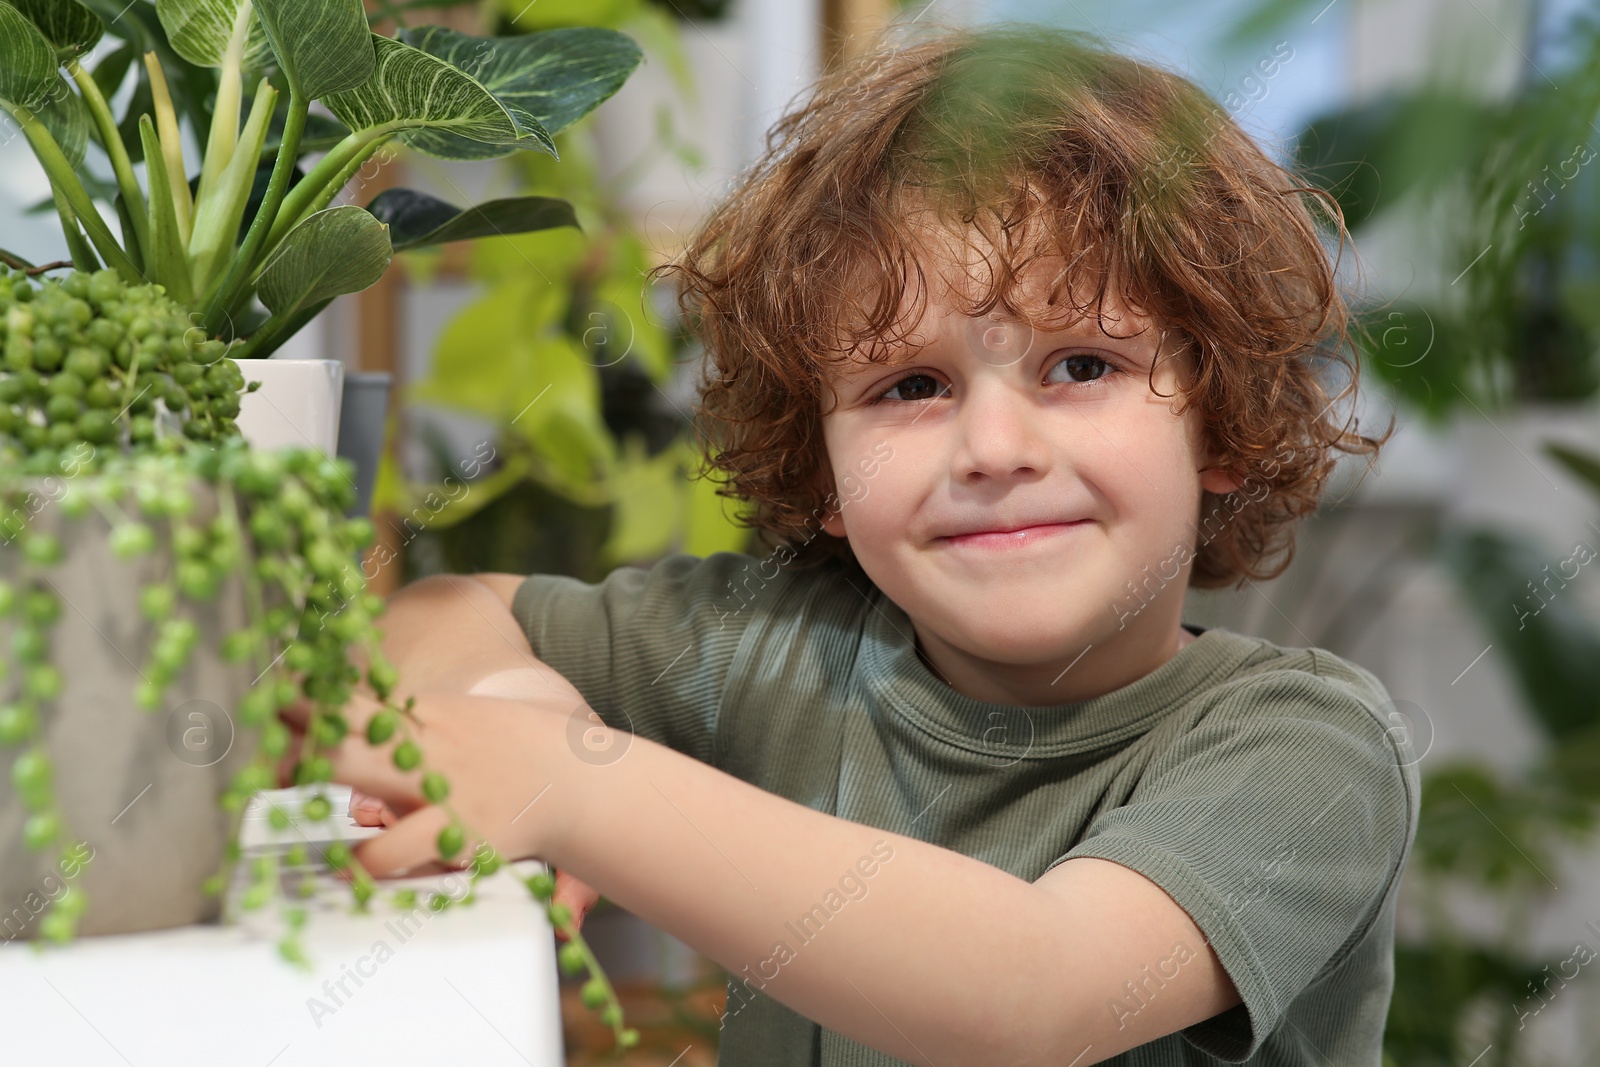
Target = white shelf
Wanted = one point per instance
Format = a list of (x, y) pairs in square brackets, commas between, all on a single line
[(473, 983)]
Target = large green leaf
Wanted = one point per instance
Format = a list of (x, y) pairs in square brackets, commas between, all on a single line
[(340, 250), (431, 104), (1538, 625), (201, 30), (66, 116), (28, 76), (323, 46), (553, 78), (71, 28), (649, 502), (506, 358), (1368, 155), (417, 219)]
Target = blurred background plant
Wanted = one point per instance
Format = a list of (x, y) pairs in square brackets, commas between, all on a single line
[(571, 363), (1493, 195)]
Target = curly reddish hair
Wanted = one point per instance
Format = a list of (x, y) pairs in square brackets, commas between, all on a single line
[(1040, 143)]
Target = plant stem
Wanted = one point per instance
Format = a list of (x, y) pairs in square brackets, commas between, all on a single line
[(130, 232), (330, 190), (17, 263), (352, 151), (171, 147), (217, 214), (278, 329), (106, 126), (294, 125), (166, 259), (83, 257), (64, 181)]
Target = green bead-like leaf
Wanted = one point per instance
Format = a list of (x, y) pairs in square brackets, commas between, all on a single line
[(71, 28), (340, 250), (552, 78), (323, 46), (200, 31), (431, 105), (416, 219)]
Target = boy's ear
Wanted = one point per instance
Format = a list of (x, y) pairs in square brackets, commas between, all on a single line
[(834, 524), (1219, 481)]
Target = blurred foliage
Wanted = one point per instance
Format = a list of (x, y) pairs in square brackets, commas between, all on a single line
[(564, 352), (1506, 307), (1497, 202)]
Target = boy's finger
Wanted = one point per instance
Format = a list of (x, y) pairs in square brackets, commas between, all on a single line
[(410, 842), (290, 757), (576, 895)]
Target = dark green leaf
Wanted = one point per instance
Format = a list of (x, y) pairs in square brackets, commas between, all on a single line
[(112, 71), (1369, 155), (1537, 624), (430, 104), (323, 46), (555, 77), (28, 76), (201, 30), (1581, 464), (71, 28), (417, 219), (340, 250)]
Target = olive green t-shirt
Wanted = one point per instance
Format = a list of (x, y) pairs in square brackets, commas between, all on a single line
[(1266, 789)]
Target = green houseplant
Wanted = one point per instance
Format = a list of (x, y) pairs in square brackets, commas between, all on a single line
[(120, 379), (255, 262), (563, 359)]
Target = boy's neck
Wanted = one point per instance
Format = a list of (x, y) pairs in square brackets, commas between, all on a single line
[(1087, 676)]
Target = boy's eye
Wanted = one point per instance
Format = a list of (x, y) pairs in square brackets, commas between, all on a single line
[(915, 387), (1083, 368)]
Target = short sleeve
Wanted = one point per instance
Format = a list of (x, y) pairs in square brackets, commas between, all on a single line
[(1279, 821), (649, 648)]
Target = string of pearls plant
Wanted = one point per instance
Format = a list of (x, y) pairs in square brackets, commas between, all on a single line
[(109, 387)]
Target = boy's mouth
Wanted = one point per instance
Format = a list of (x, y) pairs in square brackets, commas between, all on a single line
[(1011, 535)]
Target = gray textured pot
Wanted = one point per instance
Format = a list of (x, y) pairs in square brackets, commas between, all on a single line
[(139, 788)]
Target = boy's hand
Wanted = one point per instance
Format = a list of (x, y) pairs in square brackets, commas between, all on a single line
[(489, 751), (575, 893)]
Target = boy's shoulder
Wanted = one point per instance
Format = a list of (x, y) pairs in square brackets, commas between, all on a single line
[(1263, 669)]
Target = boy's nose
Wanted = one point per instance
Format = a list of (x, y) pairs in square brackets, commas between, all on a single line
[(999, 433)]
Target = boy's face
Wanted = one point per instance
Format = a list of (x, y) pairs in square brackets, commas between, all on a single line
[(988, 425)]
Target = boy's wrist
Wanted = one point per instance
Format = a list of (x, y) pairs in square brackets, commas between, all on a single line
[(555, 793)]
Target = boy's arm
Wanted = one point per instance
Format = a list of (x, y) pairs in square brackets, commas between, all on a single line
[(456, 633), (913, 949), (942, 960)]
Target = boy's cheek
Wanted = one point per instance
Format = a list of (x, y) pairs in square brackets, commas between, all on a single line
[(854, 489)]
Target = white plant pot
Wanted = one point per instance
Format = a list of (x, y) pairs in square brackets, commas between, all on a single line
[(297, 405)]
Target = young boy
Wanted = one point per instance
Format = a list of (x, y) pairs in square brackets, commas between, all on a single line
[(1012, 340)]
